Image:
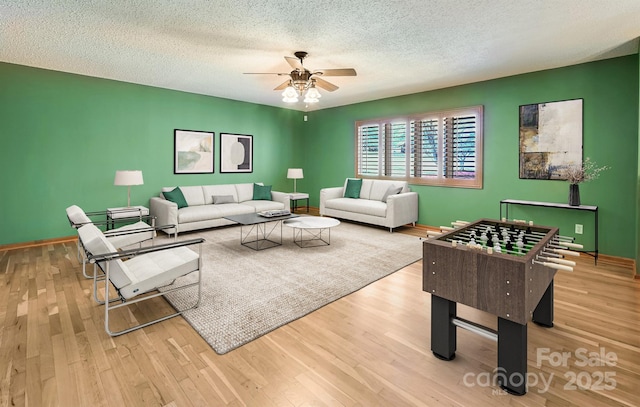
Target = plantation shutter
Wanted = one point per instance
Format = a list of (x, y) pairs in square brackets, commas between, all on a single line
[(424, 139), (459, 149), (395, 149), (369, 150), (441, 148)]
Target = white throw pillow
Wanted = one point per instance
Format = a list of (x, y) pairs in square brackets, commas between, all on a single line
[(222, 199)]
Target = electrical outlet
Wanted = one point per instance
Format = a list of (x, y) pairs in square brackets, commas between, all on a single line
[(578, 229)]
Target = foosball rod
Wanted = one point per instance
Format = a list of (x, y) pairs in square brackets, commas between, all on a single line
[(514, 252), (568, 244), (564, 252), (560, 241), (533, 234), (553, 265), (557, 260), (504, 251), (468, 236)]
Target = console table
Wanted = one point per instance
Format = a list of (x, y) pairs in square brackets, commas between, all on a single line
[(589, 208)]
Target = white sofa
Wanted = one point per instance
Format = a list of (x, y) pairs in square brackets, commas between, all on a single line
[(399, 209), (201, 211)]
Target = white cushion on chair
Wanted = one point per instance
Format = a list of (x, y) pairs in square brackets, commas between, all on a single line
[(120, 241), (77, 216), (96, 243), (144, 272), (156, 269)]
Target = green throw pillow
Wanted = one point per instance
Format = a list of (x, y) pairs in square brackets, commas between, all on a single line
[(353, 188), (175, 195), (261, 192)]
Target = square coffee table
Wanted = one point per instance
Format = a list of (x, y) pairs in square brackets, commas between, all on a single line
[(260, 232)]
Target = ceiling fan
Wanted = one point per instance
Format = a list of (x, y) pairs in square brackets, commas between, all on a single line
[(303, 81)]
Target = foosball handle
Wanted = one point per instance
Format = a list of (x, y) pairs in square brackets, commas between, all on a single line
[(567, 252), (557, 266), (571, 245), (562, 261)]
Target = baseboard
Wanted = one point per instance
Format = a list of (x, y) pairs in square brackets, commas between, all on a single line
[(36, 243), (618, 261), (612, 260)]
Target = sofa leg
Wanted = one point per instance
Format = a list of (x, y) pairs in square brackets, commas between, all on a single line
[(390, 230)]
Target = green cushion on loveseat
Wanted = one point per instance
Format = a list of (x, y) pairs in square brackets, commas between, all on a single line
[(353, 188), (175, 195)]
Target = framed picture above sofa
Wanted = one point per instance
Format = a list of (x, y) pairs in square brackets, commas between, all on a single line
[(193, 152), (236, 153)]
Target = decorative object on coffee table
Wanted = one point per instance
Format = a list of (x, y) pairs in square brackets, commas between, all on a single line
[(578, 173)]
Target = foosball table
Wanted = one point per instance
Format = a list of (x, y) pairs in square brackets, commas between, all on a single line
[(501, 267)]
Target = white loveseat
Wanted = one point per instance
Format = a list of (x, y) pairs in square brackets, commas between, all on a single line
[(202, 212), (373, 206)]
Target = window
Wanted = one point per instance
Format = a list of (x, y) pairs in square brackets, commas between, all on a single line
[(439, 148)]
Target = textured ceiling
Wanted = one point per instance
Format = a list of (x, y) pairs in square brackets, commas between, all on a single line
[(397, 47)]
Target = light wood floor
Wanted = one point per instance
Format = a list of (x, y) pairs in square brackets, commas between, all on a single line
[(367, 349)]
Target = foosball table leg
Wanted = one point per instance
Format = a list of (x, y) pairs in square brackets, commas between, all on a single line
[(443, 331), (512, 357), (543, 313)]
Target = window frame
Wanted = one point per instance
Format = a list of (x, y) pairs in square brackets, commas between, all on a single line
[(439, 179)]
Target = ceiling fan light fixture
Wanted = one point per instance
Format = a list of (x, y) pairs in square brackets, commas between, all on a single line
[(290, 95), (312, 95), (303, 81)]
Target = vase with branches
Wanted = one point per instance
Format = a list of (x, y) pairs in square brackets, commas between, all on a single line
[(576, 174)]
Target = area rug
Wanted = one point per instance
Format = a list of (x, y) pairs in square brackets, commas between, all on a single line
[(247, 293)]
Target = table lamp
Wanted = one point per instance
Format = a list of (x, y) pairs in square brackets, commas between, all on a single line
[(128, 178), (295, 174)]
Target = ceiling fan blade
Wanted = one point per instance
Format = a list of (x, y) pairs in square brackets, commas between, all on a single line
[(282, 86), (321, 83), (294, 62), (336, 72), (266, 73)]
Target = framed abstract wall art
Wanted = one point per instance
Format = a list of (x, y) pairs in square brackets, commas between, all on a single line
[(550, 138), (193, 152), (236, 152)]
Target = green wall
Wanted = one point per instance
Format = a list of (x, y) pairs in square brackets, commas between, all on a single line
[(610, 92), (64, 136)]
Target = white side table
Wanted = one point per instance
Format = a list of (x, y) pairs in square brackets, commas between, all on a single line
[(298, 196), (125, 212)]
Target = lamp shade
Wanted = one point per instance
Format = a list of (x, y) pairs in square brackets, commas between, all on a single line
[(294, 173), (128, 178)]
